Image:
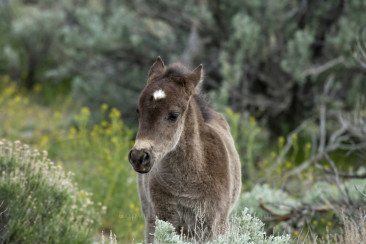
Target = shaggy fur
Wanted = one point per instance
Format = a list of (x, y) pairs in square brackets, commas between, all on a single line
[(188, 168)]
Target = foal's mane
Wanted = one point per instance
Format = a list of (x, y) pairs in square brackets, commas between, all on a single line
[(180, 71)]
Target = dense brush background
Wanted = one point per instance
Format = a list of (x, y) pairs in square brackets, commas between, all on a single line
[(290, 77)]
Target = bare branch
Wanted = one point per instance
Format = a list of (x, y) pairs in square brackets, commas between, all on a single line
[(341, 174), (338, 184), (6, 209), (322, 68), (295, 213), (360, 55), (363, 194)]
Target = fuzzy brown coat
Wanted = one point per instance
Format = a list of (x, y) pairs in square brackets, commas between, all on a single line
[(189, 169)]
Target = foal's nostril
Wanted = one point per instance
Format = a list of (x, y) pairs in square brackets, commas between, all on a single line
[(138, 157), (145, 158), (129, 156)]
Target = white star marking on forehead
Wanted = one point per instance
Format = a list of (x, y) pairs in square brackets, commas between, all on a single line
[(159, 94)]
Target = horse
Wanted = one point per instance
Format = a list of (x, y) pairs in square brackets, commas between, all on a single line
[(188, 169)]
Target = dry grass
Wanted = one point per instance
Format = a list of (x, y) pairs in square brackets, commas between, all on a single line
[(354, 230)]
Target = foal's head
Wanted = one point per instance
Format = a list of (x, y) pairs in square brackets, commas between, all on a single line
[(162, 112)]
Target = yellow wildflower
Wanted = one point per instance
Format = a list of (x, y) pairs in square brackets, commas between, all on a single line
[(288, 164), (37, 87), (115, 113), (308, 145), (85, 111), (6, 78), (104, 123), (83, 194), (104, 107), (294, 136), (114, 139), (252, 121), (57, 115), (281, 140), (72, 130)]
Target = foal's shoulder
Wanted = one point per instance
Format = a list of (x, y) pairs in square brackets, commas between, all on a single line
[(219, 120)]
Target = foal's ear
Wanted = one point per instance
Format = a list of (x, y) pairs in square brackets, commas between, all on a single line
[(156, 69), (196, 76)]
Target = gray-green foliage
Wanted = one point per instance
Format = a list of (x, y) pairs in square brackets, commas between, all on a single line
[(277, 200), (38, 202), (31, 42), (261, 56), (325, 192), (243, 229), (283, 53), (321, 193), (281, 202)]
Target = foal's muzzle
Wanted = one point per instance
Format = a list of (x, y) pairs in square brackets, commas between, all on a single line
[(140, 160)]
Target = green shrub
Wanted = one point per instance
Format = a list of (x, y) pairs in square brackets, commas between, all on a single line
[(263, 193), (39, 202), (323, 191)]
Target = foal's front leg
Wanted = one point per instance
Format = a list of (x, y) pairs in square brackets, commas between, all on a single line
[(149, 227)]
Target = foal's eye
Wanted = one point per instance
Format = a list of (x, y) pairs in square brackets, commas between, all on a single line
[(173, 116)]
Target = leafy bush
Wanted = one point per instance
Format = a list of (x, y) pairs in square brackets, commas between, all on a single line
[(280, 200), (243, 229), (39, 202)]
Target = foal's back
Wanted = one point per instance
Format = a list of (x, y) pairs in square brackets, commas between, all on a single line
[(223, 147)]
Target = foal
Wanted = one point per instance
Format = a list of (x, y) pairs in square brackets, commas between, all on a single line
[(184, 153)]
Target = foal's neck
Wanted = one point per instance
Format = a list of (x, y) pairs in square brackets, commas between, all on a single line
[(190, 145)]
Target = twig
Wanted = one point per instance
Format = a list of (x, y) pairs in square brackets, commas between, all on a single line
[(5, 208), (363, 194), (295, 213), (338, 184), (341, 174), (323, 131), (360, 60), (324, 67), (323, 114)]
